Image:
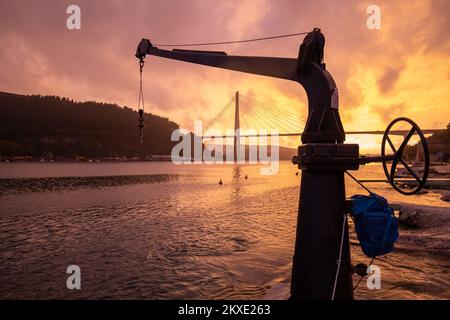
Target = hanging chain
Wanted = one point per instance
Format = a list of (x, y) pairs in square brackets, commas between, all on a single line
[(141, 98)]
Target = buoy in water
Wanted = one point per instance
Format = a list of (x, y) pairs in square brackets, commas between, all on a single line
[(220, 182)]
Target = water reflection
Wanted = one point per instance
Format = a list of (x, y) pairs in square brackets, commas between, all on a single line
[(73, 183), (174, 235)]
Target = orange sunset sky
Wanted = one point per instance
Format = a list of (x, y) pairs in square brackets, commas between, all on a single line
[(403, 69)]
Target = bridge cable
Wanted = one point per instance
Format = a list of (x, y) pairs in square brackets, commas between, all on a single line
[(258, 121), (219, 114), (288, 122), (277, 112), (266, 124), (270, 106), (280, 115), (294, 124)]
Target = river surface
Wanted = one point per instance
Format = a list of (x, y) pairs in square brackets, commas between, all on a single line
[(149, 230)]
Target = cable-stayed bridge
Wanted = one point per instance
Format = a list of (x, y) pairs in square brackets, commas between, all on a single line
[(251, 113)]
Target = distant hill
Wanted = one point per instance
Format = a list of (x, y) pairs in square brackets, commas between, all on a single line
[(54, 127)]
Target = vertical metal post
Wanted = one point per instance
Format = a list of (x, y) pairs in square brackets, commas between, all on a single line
[(322, 191), (319, 227), (320, 220)]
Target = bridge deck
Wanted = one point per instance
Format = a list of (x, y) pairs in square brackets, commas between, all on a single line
[(377, 132)]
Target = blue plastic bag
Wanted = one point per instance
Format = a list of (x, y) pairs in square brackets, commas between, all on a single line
[(375, 224)]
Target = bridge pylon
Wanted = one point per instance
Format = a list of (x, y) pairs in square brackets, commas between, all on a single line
[(237, 140)]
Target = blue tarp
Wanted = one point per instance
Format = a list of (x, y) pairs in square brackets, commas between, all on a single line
[(375, 224)]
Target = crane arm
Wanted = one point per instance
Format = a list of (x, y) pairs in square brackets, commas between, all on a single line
[(284, 68), (323, 124)]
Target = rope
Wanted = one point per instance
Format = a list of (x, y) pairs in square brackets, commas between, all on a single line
[(231, 42), (362, 277), (358, 182), (370, 192), (340, 257)]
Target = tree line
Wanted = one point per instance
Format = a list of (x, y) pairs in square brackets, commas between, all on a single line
[(54, 127)]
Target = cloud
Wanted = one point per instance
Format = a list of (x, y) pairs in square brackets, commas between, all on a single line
[(406, 61), (387, 81), (389, 112)]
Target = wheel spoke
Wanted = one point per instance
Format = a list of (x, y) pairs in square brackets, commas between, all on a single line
[(405, 142), (397, 157), (393, 167), (410, 170), (391, 144)]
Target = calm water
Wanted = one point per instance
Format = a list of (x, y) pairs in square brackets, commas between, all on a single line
[(160, 231)]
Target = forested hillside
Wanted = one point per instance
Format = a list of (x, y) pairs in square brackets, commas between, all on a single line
[(52, 127)]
